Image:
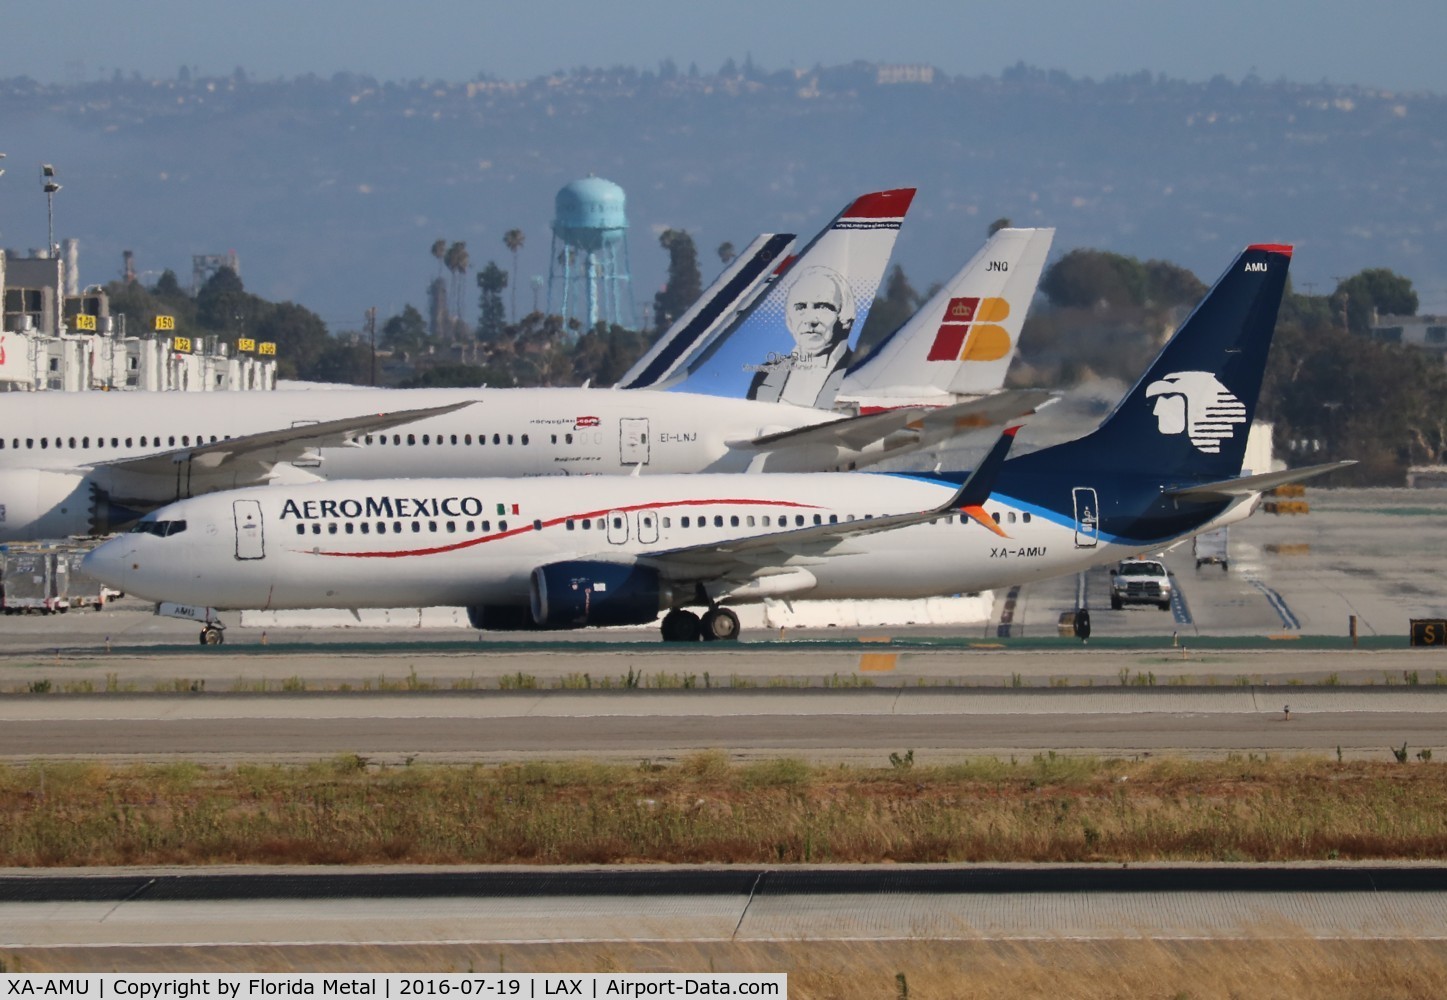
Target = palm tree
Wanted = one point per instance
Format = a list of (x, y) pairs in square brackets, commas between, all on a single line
[(513, 239), (458, 264), (726, 253), (439, 250)]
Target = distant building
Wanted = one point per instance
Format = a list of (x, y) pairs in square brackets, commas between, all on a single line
[(1429, 332), (54, 341), (1426, 477), (205, 265), (904, 74)]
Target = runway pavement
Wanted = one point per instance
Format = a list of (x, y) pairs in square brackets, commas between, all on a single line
[(846, 725), (513, 906)]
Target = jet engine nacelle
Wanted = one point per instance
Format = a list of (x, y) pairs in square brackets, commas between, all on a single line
[(579, 594), (501, 618), (36, 503)]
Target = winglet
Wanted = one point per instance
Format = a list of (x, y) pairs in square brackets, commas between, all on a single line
[(976, 489)]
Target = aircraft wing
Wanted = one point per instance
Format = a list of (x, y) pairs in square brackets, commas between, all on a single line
[(755, 555), (928, 424), (1226, 489), (255, 454)]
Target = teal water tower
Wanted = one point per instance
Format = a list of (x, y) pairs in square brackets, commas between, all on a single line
[(588, 277)]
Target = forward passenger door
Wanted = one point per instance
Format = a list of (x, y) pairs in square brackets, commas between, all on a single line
[(250, 536)]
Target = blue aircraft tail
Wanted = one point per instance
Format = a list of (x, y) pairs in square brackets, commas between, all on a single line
[(731, 293), (1188, 417)]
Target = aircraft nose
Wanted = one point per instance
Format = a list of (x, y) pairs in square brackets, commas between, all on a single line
[(110, 562)]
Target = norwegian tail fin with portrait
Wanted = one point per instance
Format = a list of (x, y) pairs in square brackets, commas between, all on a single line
[(794, 343)]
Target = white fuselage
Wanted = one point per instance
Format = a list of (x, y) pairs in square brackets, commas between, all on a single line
[(469, 542), (54, 446)]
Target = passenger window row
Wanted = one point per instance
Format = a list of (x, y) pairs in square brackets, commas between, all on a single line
[(574, 524), (397, 527), (443, 439), (145, 441)]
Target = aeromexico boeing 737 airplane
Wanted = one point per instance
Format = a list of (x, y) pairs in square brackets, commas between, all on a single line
[(77, 464), (566, 553)]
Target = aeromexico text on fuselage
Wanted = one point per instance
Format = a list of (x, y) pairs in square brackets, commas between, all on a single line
[(353, 509)]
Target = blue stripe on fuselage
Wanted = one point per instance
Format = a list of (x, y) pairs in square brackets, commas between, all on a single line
[(1065, 519)]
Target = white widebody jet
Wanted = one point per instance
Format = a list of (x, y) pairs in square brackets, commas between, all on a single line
[(567, 553), (92, 463)]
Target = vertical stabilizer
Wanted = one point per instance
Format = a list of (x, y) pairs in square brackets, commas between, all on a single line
[(1187, 419), (719, 305), (960, 342), (793, 345)]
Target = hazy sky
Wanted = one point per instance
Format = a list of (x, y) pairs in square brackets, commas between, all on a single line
[(1394, 45)]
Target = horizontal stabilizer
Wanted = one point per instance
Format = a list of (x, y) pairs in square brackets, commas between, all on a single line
[(1247, 485)]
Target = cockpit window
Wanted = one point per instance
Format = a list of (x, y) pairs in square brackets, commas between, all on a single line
[(161, 529)]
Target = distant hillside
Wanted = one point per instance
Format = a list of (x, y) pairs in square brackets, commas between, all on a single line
[(331, 191)]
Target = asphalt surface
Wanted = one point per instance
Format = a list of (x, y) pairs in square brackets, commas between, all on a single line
[(861, 726), (112, 914)]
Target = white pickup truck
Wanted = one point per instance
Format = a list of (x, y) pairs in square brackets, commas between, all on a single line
[(1140, 581)]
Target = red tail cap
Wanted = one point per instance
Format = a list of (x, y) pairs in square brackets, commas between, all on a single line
[(1281, 248), (881, 205)]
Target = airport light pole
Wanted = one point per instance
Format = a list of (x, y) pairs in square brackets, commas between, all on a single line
[(50, 186), (1331, 406)]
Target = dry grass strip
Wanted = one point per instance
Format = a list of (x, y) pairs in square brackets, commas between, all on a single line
[(708, 810)]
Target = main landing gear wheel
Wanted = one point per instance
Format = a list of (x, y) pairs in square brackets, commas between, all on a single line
[(212, 635), (680, 625), (720, 624)]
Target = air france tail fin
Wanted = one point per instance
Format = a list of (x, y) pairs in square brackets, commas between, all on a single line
[(720, 304), (961, 341), (794, 343), (1187, 419)]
